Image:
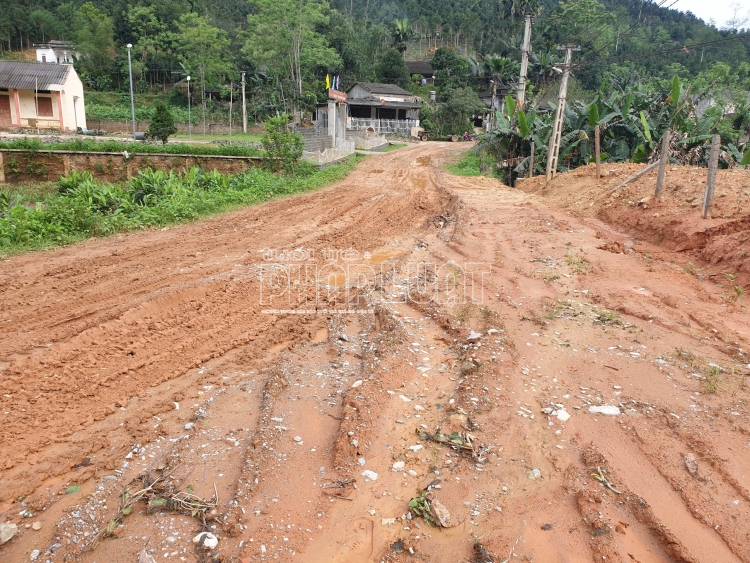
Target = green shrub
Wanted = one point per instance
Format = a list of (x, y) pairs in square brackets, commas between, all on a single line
[(162, 124), (283, 147)]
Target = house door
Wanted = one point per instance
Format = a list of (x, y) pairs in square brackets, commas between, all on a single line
[(5, 119)]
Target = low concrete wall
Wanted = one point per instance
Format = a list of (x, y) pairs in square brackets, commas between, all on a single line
[(18, 165), (111, 126)]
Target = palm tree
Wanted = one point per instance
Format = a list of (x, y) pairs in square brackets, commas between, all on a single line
[(401, 32), (502, 69)]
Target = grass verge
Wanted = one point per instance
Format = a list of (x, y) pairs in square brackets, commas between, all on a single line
[(82, 207), (234, 137), (394, 147), (91, 145), (470, 164)]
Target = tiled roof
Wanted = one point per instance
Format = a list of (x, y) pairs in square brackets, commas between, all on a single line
[(23, 75), (420, 67), (372, 101), (387, 89)]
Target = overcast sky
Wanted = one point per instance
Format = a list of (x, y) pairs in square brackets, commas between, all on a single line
[(718, 10)]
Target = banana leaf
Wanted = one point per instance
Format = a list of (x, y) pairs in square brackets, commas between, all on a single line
[(593, 115), (646, 129), (523, 127), (510, 106)]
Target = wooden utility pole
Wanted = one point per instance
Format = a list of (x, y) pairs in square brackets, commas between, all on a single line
[(244, 107), (598, 152), (554, 140), (525, 50), (531, 164), (713, 167), (663, 163)]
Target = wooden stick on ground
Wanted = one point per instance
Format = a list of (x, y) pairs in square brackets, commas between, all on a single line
[(598, 151), (648, 168)]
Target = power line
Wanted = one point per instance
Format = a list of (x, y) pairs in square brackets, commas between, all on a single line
[(684, 48)]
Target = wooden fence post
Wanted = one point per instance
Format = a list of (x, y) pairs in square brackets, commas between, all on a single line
[(713, 166), (2, 169), (663, 163), (531, 164), (598, 152)]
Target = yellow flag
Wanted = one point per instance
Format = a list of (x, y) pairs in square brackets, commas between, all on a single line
[(328, 82)]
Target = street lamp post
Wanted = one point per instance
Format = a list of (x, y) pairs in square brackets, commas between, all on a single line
[(190, 129), (132, 103)]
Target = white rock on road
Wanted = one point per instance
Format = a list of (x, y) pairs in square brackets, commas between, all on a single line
[(207, 540), (605, 409), (7, 531)]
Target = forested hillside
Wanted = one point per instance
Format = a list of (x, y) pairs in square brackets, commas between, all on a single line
[(302, 41)]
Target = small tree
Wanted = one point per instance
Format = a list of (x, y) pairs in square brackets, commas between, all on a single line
[(162, 124), (283, 147), (392, 69)]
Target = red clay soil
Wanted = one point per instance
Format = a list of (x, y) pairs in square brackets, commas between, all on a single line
[(673, 221), (457, 347)]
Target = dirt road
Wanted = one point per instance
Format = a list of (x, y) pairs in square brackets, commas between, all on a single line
[(298, 359)]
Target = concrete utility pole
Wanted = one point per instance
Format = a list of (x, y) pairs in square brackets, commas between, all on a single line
[(132, 102), (244, 107), (554, 140), (525, 51)]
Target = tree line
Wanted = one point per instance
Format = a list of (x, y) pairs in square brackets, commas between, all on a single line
[(286, 48)]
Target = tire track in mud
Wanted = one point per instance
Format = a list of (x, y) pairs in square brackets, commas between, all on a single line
[(144, 333), (291, 408)]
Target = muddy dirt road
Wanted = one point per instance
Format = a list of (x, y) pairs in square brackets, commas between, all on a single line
[(312, 365)]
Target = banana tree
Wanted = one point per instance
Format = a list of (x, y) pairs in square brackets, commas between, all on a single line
[(510, 141)]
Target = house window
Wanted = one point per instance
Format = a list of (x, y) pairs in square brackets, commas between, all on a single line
[(402, 114), (44, 106), (361, 112), (386, 113)]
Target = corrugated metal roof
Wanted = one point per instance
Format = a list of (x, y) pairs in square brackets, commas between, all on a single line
[(387, 89), (24, 75)]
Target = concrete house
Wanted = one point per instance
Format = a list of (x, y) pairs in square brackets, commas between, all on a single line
[(43, 95), (383, 108), (54, 51)]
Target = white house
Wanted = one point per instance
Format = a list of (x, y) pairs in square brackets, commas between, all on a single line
[(54, 51), (43, 95)]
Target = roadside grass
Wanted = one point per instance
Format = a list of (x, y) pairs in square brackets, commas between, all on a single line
[(28, 192), (244, 137), (468, 165), (92, 145), (81, 207), (394, 147)]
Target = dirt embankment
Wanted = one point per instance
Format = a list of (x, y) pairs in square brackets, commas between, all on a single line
[(673, 221), (304, 370)]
